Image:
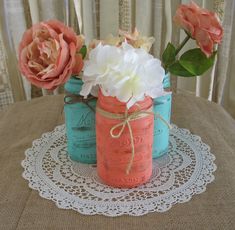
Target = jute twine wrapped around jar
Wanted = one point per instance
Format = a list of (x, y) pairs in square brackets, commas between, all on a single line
[(124, 141)]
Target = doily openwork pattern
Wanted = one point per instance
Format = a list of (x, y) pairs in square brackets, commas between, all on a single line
[(184, 171)]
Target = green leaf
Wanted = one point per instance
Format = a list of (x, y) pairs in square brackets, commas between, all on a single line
[(168, 56), (178, 70), (83, 51), (196, 62)]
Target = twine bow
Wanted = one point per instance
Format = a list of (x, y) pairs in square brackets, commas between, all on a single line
[(74, 98), (125, 121)]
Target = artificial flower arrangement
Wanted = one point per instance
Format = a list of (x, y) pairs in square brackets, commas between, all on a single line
[(49, 54), (121, 128), (201, 25)]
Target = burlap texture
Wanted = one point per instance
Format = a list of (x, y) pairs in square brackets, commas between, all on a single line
[(23, 208)]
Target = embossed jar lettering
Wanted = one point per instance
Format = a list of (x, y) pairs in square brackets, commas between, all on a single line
[(162, 106), (80, 124), (127, 142), (114, 154)]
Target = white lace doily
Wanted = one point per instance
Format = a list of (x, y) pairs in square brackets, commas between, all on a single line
[(184, 171)]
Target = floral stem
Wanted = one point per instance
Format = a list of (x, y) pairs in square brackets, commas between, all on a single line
[(182, 44)]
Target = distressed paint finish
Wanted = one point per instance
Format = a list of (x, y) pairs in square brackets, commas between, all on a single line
[(80, 126), (114, 153), (162, 106)]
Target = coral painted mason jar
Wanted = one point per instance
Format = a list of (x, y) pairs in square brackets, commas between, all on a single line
[(80, 123), (114, 154)]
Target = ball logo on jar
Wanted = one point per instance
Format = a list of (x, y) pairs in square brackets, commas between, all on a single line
[(127, 141), (86, 122)]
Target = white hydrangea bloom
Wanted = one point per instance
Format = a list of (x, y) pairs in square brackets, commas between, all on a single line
[(124, 72)]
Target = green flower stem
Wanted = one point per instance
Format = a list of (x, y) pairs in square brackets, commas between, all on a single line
[(182, 44)]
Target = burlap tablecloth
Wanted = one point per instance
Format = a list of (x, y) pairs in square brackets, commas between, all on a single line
[(23, 208)]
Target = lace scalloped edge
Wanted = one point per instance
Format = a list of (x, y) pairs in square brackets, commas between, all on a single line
[(46, 192)]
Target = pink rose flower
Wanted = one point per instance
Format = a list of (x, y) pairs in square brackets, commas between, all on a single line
[(202, 25), (47, 54)]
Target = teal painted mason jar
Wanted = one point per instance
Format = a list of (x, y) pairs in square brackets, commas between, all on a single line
[(80, 123), (162, 106)]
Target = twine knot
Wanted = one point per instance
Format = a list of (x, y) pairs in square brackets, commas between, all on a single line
[(70, 98), (125, 121)]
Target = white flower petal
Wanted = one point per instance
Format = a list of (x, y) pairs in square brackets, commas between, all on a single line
[(123, 72), (95, 91), (86, 89)]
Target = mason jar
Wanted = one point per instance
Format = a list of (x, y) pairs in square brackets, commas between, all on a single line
[(162, 106), (115, 164), (80, 123)]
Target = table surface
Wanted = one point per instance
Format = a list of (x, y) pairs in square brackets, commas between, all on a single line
[(23, 208)]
